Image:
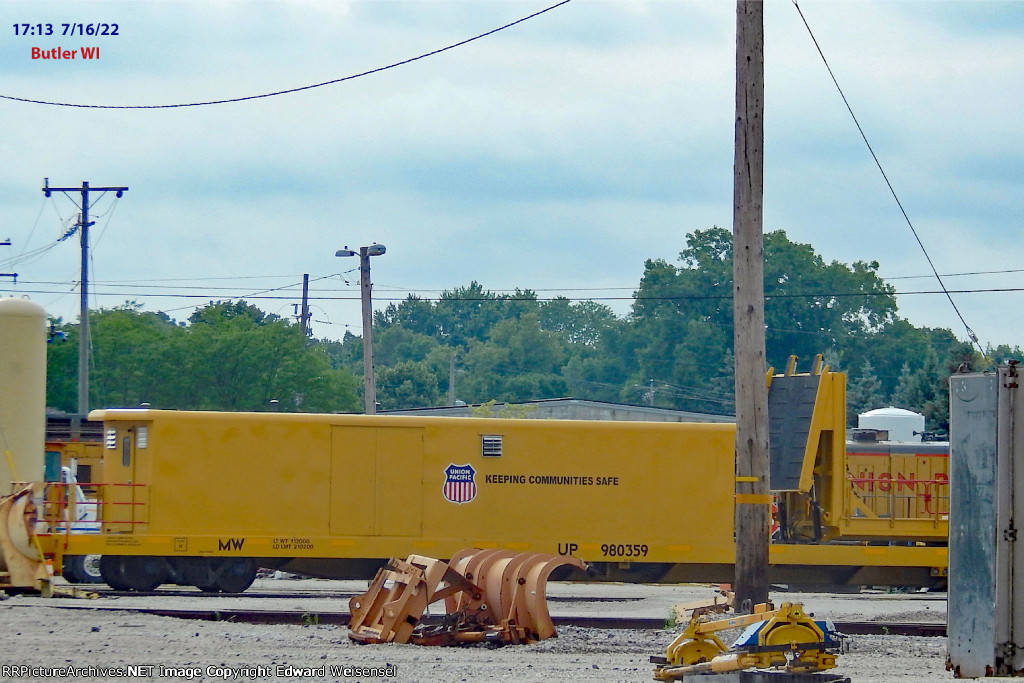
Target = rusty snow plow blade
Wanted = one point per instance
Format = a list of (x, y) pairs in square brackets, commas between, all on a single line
[(494, 596), (22, 564)]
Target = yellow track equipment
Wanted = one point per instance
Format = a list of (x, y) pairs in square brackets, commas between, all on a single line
[(494, 596), (774, 638)]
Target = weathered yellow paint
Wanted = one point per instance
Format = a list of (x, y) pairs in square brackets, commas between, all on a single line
[(358, 486), (327, 478), (754, 499)]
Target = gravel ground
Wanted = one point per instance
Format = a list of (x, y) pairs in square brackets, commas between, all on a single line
[(106, 642)]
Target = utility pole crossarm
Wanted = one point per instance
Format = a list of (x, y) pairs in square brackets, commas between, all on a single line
[(84, 188)]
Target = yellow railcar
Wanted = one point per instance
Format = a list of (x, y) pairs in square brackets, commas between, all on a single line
[(203, 498), (896, 490)]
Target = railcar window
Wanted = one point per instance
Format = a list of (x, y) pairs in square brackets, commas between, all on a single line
[(126, 451)]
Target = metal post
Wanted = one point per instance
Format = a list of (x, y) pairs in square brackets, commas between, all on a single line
[(753, 498), (451, 380), (304, 314), (369, 386)]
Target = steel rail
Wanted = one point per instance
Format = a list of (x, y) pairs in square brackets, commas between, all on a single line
[(341, 618)]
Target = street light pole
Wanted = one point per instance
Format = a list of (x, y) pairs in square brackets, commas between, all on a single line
[(369, 385)]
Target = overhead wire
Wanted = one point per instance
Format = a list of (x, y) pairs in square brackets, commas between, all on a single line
[(498, 292), (109, 214), (291, 90), (892, 190), (253, 295), (32, 232), (35, 254), (498, 299), (976, 272)]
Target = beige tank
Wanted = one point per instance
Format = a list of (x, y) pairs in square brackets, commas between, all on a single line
[(22, 391)]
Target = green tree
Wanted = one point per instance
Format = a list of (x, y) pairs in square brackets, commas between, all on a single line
[(134, 357), (1003, 353), (467, 314), (810, 305), (907, 394), (508, 411), (519, 362), (863, 393), (232, 357), (721, 388), (244, 359), (407, 384), (62, 367), (581, 324), (926, 389), (684, 314), (396, 344)]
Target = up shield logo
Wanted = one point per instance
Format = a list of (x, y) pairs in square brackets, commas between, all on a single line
[(459, 484)]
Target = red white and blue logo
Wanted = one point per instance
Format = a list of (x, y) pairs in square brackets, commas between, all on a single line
[(459, 484)]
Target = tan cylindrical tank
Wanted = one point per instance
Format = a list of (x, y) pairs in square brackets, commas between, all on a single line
[(22, 391)]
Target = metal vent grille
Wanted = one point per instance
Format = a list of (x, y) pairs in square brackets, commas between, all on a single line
[(490, 445), (111, 440)]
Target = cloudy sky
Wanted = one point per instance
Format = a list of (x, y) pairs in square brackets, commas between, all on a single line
[(555, 155)]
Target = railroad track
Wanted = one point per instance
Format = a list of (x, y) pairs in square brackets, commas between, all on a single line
[(196, 593), (314, 594), (341, 618)]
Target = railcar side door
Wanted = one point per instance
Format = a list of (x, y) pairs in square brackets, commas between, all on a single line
[(376, 481), (125, 502)]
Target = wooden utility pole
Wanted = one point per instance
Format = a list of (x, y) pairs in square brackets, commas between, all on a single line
[(753, 498), (83, 315)]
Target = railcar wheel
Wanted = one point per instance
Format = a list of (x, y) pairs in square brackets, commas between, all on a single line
[(198, 572), (90, 569), (234, 575), (69, 568), (82, 569), (144, 572), (112, 571), (221, 574)]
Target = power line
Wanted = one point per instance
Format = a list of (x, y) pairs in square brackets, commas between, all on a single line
[(976, 272), (970, 332), (143, 283), (221, 277), (290, 90), (499, 298)]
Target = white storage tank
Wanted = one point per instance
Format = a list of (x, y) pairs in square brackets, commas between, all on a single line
[(902, 425), (22, 391)]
